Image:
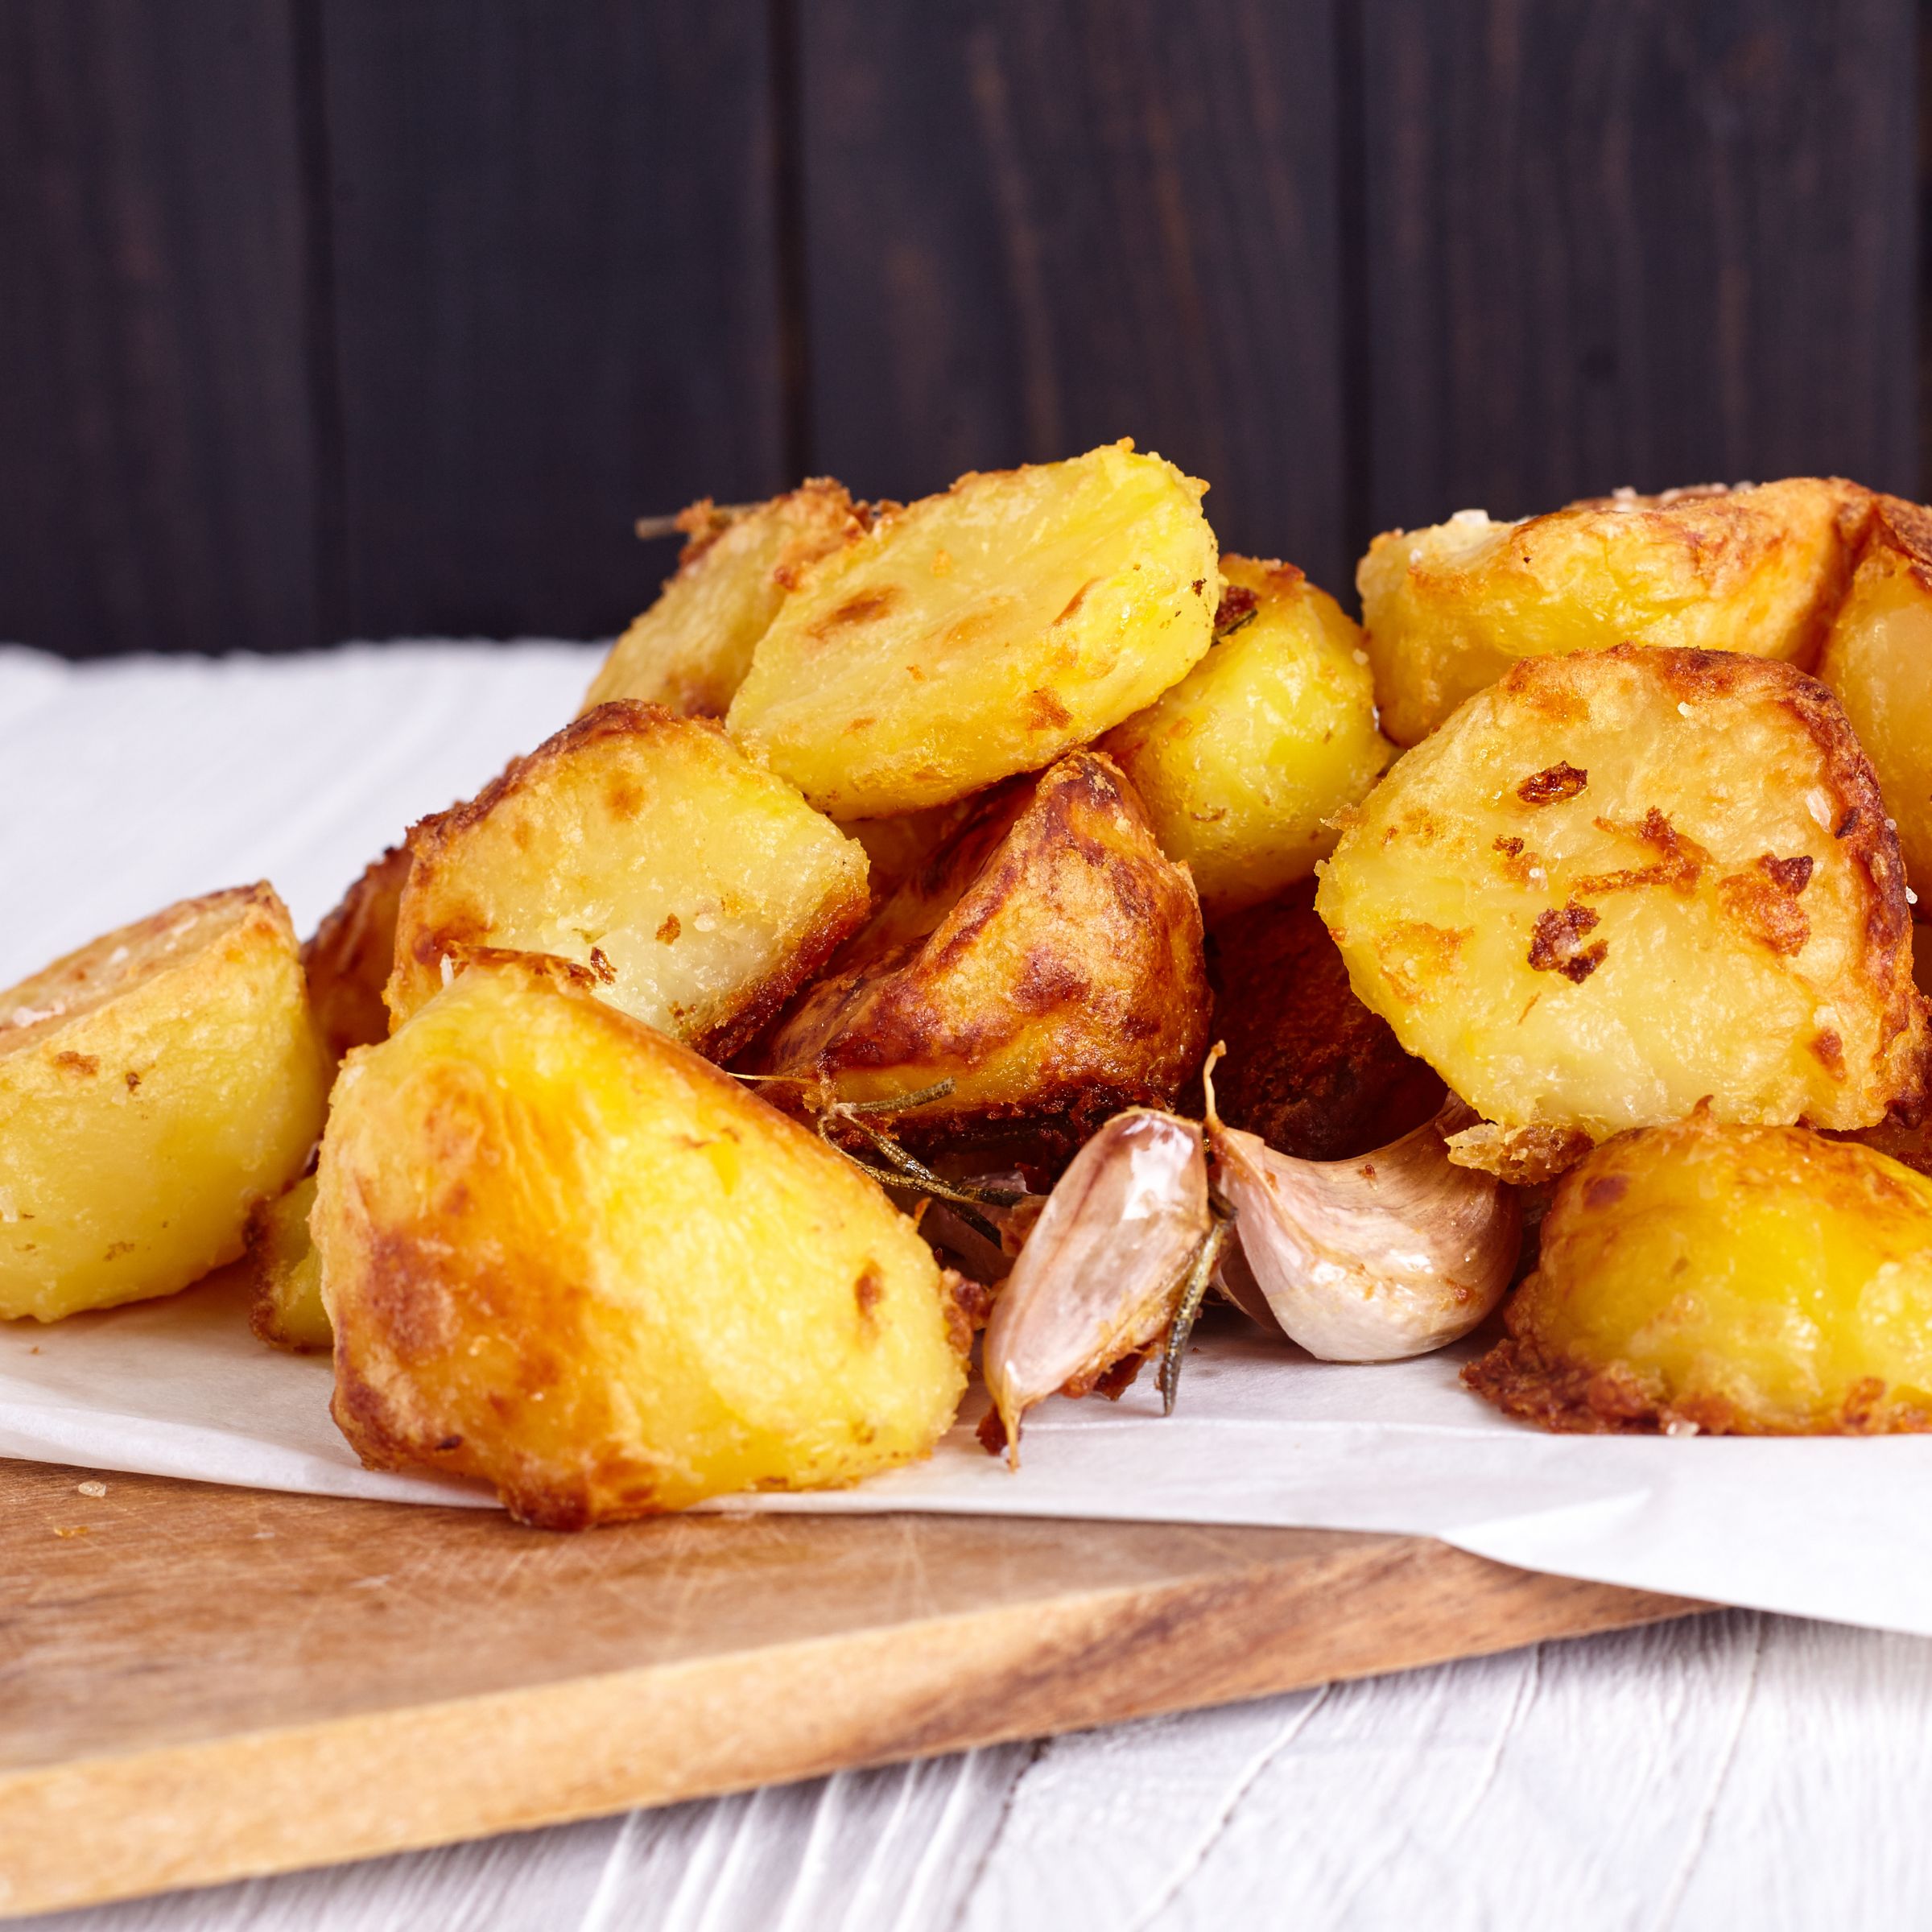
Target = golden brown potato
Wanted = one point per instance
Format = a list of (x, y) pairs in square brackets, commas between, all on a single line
[(690, 651), (699, 890), (153, 1086), (1616, 883), (349, 958), (1747, 1280), (285, 1274), (564, 1254), (1878, 659), (1309, 1067), (1049, 965), (982, 633), (1448, 610), (1244, 764)]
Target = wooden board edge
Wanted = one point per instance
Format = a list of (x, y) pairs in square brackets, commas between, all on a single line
[(98, 1829)]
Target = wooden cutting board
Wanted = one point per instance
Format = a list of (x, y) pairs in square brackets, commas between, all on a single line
[(198, 1683)]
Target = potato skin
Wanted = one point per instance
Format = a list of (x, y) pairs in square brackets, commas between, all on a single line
[(564, 1254), (1309, 1067), (1049, 963), (1449, 609), (349, 958), (1244, 765), (1760, 1281), (153, 1086), (690, 651), (700, 890), (982, 633), (284, 1274), (1878, 659), (1616, 883)]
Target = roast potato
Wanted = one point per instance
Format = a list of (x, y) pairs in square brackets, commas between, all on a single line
[(690, 651), (980, 634), (1048, 963), (1309, 1067), (1616, 883), (1244, 763), (1448, 610), (153, 1086), (700, 890), (564, 1254), (1878, 659), (285, 1273), (349, 958), (1760, 1280)]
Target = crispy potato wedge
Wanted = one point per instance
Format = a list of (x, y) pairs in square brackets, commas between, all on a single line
[(285, 1274), (1309, 1067), (564, 1254), (352, 953), (1448, 610), (700, 890), (1757, 1281), (1049, 965), (974, 635), (690, 651), (1244, 764), (1878, 659), (1616, 883), (153, 1086)]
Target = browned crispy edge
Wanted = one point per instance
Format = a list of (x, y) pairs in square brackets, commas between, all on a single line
[(1569, 1398), (336, 955), (1057, 1122), (1904, 529)]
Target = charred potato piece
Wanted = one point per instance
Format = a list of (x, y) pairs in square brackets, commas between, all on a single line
[(1745, 1281), (980, 634), (285, 1274), (700, 890), (1617, 883), (1448, 610), (1309, 1067), (1049, 965), (1878, 659), (153, 1086), (564, 1254), (1244, 764), (690, 651), (349, 959)]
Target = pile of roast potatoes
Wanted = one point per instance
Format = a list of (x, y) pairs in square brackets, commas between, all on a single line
[(625, 1131)]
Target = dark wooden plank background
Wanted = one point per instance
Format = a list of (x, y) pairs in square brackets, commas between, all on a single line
[(333, 318)]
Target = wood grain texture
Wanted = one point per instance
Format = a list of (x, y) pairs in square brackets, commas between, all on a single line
[(555, 298), (246, 1681), (157, 463), (1633, 241), (1032, 228)]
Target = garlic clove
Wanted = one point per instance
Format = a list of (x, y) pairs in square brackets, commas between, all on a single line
[(1371, 1260), (1105, 1267)]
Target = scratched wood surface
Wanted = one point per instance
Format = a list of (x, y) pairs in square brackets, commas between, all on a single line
[(247, 1682)]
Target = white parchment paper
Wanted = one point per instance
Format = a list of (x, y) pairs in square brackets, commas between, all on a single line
[(127, 785)]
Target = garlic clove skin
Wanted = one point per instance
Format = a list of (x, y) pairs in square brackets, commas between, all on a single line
[(1371, 1260), (1101, 1273)]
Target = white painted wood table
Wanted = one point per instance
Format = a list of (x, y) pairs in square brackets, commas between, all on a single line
[(1729, 1770)]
